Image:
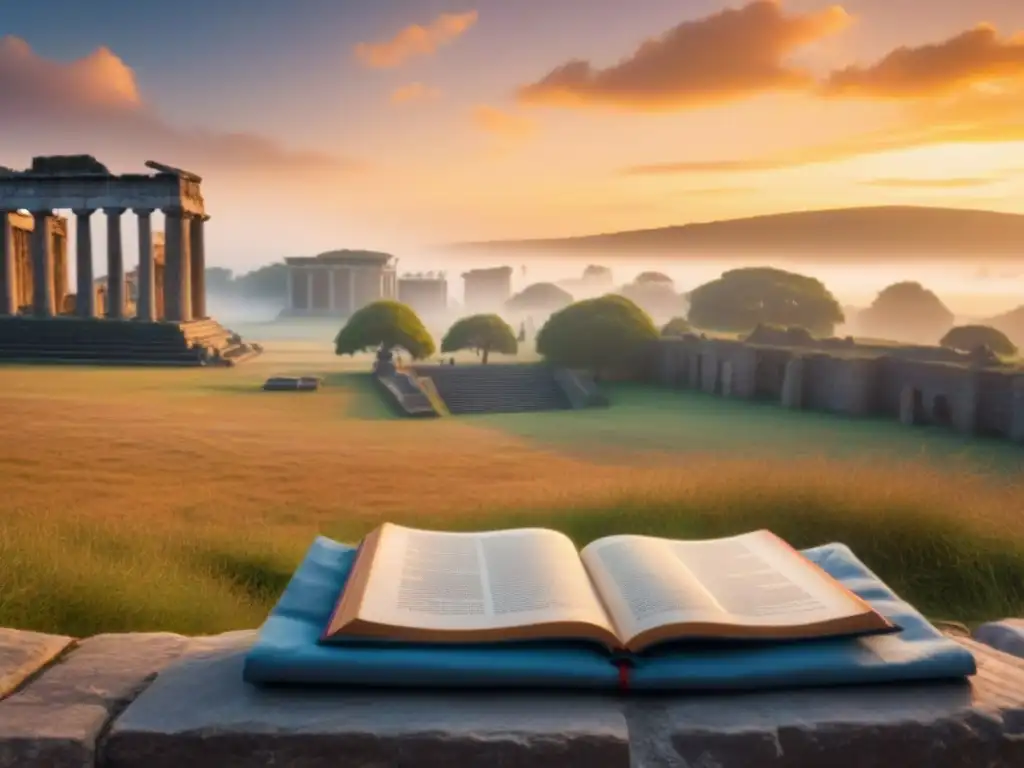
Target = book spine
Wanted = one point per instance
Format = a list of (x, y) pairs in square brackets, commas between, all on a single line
[(623, 667)]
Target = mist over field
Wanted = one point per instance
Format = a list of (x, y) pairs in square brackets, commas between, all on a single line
[(971, 291)]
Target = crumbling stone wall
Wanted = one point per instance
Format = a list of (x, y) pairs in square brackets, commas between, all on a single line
[(995, 402), (961, 394)]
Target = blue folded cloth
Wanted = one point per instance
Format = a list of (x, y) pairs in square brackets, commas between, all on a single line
[(288, 649)]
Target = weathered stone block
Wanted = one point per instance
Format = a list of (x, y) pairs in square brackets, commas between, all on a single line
[(1017, 411), (727, 379), (693, 371), (908, 405), (1006, 636), (56, 720), (710, 371), (200, 714), (942, 725), (22, 654), (965, 404), (793, 384)]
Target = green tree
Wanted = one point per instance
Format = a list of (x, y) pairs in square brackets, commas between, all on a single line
[(596, 334), (677, 326), (484, 333), (966, 338), (543, 298), (906, 311), (384, 325), (742, 298)]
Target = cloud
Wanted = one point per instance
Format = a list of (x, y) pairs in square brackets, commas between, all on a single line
[(968, 121), (501, 123), (93, 104), (961, 183), (715, 191), (414, 92), (727, 56), (415, 40), (981, 111), (97, 81), (976, 56)]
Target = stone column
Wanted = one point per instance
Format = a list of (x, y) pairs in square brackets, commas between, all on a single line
[(965, 404), (908, 405), (331, 298), (8, 267), (145, 305), (693, 370), (1016, 426), (353, 274), (42, 264), (793, 384), (177, 286), (710, 373), (115, 264), (290, 277), (85, 299), (197, 258), (727, 379)]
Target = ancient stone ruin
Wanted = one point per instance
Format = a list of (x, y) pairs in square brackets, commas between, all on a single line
[(34, 262), (973, 393)]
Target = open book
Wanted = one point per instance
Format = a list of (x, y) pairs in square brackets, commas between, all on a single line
[(625, 592)]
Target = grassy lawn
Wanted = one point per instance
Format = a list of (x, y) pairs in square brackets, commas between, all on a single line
[(181, 500)]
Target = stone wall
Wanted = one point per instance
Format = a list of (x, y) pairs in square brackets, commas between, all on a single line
[(944, 389), (166, 701)]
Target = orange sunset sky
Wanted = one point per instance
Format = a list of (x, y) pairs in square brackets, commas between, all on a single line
[(389, 124)]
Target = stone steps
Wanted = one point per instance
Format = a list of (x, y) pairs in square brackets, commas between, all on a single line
[(119, 342), (502, 388)]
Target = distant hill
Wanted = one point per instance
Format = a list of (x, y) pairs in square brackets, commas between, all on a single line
[(904, 231)]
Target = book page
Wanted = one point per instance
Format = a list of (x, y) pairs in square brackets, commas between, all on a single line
[(643, 583), (470, 581), (751, 580)]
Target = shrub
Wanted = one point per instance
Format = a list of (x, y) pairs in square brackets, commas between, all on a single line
[(743, 298), (967, 338), (677, 326), (596, 334)]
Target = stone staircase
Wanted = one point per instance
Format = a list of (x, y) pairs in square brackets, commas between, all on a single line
[(503, 388), (83, 341)]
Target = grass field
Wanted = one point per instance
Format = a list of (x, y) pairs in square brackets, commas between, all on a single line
[(181, 500)]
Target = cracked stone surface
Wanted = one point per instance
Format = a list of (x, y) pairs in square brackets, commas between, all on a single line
[(22, 654), (199, 713), (58, 718), (939, 725), (99, 706)]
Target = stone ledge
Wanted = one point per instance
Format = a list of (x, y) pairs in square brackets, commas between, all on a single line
[(57, 719), (99, 706), (22, 654)]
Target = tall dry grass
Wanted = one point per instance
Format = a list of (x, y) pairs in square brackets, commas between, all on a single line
[(182, 500)]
